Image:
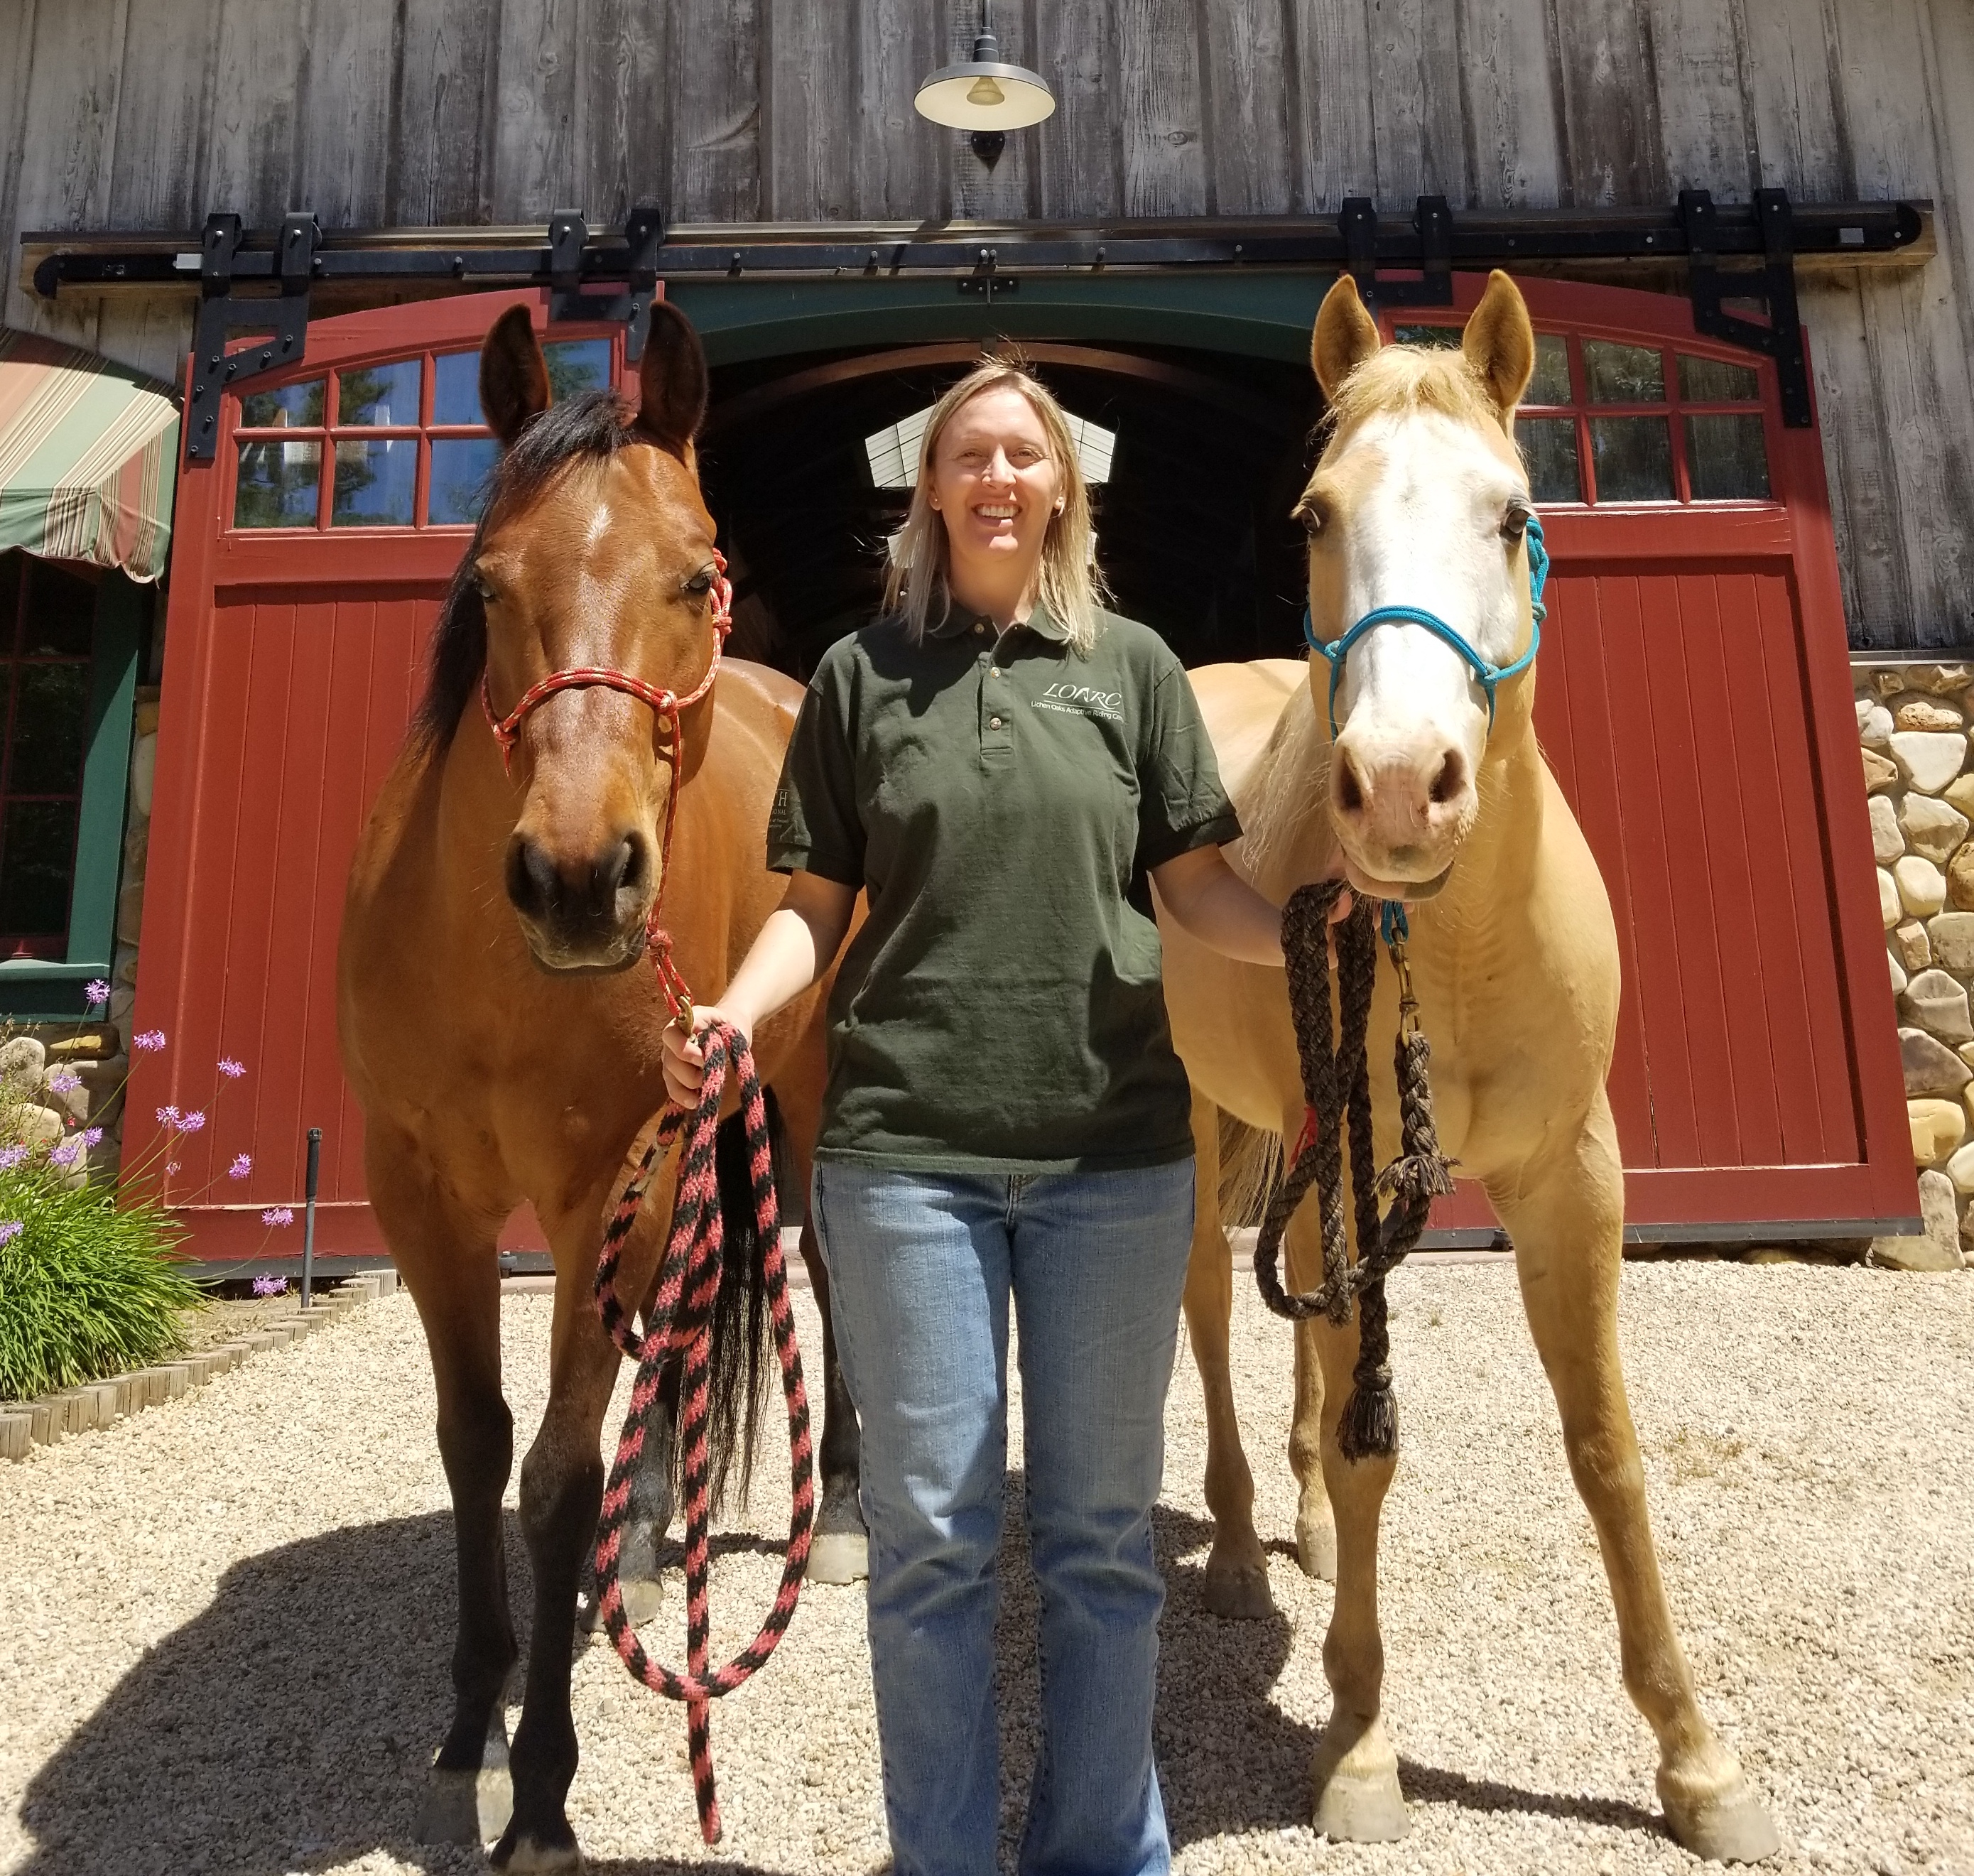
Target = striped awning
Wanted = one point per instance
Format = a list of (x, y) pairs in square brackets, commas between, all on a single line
[(88, 450)]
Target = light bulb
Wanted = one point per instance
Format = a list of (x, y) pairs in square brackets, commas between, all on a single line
[(985, 92)]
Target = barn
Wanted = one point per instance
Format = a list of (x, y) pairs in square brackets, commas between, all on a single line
[(252, 249)]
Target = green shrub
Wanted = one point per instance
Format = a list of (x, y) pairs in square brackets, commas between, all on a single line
[(87, 1287)]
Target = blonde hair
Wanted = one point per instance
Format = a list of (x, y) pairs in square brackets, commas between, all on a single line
[(1071, 588)]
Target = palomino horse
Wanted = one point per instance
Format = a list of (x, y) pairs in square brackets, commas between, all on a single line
[(1436, 791), (502, 1045)]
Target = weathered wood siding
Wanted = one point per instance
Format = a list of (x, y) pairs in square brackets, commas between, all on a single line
[(144, 113)]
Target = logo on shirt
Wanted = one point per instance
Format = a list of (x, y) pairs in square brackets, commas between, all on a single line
[(1083, 701)]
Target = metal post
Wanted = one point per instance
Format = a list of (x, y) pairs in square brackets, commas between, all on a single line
[(308, 1219)]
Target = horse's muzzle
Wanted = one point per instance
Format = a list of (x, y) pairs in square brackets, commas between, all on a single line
[(585, 913)]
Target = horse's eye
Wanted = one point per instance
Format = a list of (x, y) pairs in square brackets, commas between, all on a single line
[(701, 582), (1517, 518), (1312, 512), (484, 587)]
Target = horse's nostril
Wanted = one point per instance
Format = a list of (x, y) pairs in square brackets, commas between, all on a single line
[(1450, 779), (531, 880), (633, 862), (1349, 787)]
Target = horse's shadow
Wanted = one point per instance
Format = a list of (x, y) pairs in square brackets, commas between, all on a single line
[(290, 1724)]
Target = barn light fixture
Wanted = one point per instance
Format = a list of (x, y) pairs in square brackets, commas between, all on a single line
[(985, 95)]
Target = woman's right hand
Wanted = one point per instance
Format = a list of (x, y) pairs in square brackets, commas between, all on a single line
[(685, 1061)]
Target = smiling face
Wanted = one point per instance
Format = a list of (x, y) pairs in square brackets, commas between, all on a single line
[(996, 486)]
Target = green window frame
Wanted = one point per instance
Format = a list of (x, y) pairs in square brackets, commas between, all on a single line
[(50, 989)]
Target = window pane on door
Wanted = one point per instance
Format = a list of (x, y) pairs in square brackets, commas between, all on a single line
[(460, 467), (375, 483), (576, 366), (1623, 374), (37, 868), (1550, 385), (1726, 459), (456, 389), (1715, 381), (277, 486), (378, 395), (295, 406), (1632, 456), (1441, 337), (1548, 448)]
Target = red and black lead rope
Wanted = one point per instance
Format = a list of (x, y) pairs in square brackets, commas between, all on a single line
[(679, 1322)]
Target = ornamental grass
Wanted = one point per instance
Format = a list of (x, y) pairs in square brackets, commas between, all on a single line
[(87, 1285)]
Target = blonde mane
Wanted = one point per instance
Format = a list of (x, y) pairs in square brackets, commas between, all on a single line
[(1411, 378)]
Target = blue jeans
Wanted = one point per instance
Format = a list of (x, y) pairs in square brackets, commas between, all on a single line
[(921, 1266)]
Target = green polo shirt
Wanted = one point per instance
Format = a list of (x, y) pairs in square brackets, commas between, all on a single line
[(1000, 800)]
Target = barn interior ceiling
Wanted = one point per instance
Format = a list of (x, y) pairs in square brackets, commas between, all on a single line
[(1193, 529)]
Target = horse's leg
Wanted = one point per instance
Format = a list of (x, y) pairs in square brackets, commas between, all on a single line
[(840, 1551), (1354, 1771), (1315, 1522), (450, 1265), (1236, 1583), (561, 1489), (1566, 1221), (640, 1574)]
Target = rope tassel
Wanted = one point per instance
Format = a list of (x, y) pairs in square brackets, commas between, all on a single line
[(679, 1322), (1336, 1086)]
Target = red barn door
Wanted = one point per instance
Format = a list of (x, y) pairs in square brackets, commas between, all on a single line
[(312, 558)]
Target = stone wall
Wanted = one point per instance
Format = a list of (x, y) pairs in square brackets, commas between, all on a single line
[(1913, 721)]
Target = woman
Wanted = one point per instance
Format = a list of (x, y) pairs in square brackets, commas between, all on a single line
[(1001, 765)]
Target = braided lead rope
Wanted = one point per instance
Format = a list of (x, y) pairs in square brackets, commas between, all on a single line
[(1336, 1087), (680, 1321)]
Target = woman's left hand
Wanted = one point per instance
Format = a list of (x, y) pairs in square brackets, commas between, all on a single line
[(1220, 909)]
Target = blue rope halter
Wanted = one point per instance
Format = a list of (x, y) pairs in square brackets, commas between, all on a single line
[(1488, 675)]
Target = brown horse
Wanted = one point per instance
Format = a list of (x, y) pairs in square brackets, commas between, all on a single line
[(1434, 787), (502, 1045)]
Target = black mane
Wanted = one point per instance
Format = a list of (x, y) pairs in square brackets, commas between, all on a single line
[(596, 424)]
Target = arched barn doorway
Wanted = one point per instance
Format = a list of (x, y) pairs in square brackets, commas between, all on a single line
[(1693, 694)]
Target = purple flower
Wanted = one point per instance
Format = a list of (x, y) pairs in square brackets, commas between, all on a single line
[(96, 992), (66, 1154), (270, 1286), (172, 1167), (277, 1214), (64, 1082), (192, 1123), (243, 1164), (10, 1230), (232, 1070), (10, 1157), (148, 1039), (93, 1137), (168, 1117)]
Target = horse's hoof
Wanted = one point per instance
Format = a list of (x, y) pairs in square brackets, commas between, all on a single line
[(465, 1807), (1315, 1542), (524, 1854), (1729, 1826), (839, 1557), (839, 1550), (1237, 1591), (1354, 1786)]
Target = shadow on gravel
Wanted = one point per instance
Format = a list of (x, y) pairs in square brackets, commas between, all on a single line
[(289, 1725), (294, 1717)]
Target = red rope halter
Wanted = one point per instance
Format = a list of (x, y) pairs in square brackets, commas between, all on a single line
[(667, 706)]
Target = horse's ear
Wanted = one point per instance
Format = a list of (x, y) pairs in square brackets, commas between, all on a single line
[(1500, 343), (671, 380), (514, 375), (1345, 335)]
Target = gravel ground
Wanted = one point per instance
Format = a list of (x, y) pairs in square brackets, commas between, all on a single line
[(223, 1625)]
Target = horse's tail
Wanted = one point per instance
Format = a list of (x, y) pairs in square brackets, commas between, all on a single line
[(1251, 1166), (743, 1355)]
